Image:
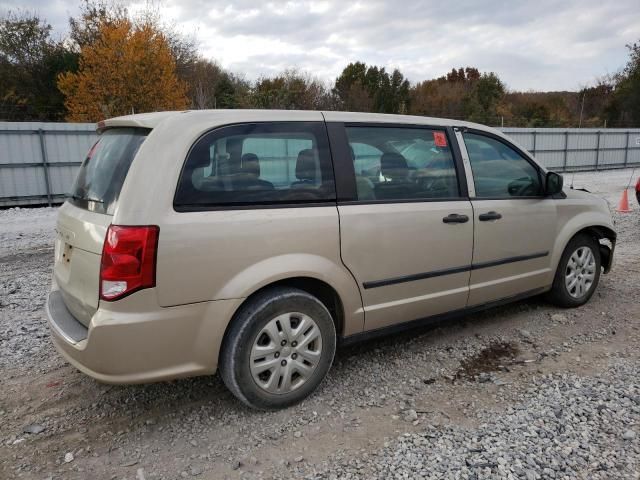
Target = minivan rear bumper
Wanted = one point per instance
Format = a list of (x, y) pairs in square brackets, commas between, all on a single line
[(141, 346)]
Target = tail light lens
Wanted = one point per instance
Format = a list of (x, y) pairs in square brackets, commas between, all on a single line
[(128, 260), (638, 185)]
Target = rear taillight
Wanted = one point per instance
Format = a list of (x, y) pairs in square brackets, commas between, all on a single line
[(128, 260), (638, 185)]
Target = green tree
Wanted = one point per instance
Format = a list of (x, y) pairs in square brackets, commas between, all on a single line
[(591, 105), (625, 107), (352, 88), (463, 93), (482, 102), (30, 61), (362, 88), (291, 90), (530, 112)]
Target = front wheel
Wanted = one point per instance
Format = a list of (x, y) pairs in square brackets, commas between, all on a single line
[(578, 273), (278, 349)]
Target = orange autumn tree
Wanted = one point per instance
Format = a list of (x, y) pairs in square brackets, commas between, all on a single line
[(128, 68)]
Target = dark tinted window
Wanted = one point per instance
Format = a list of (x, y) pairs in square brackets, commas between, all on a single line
[(498, 170), (402, 163), (262, 163), (101, 175)]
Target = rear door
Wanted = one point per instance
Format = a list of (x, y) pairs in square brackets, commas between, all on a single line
[(83, 220), (515, 224), (254, 200), (406, 228)]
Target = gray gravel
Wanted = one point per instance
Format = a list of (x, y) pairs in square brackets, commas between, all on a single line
[(565, 427)]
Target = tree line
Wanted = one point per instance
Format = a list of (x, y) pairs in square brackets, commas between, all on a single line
[(113, 63)]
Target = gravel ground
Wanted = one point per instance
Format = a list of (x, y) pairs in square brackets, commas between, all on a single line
[(523, 391)]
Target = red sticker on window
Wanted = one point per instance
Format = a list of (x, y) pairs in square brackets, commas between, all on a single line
[(440, 139)]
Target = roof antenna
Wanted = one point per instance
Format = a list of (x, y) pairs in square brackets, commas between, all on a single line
[(573, 174), (631, 177)]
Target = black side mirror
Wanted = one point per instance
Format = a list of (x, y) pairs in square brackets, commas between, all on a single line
[(553, 183)]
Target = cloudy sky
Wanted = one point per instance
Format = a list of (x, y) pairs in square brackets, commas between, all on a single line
[(531, 45)]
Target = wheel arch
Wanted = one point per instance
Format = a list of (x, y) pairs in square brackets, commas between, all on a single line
[(604, 235), (320, 289), (600, 233)]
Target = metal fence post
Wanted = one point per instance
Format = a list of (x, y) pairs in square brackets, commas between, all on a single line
[(626, 149), (534, 143), (598, 151), (45, 165), (566, 150)]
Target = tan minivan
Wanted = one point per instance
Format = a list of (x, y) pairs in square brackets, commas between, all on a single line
[(254, 242)]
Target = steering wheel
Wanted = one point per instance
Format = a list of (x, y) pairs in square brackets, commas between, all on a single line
[(521, 187)]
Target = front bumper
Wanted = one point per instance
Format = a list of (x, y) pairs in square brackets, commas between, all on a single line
[(136, 345)]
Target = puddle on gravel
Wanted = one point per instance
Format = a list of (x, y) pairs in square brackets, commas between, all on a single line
[(489, 359)]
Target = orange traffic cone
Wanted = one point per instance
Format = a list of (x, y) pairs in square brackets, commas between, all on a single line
[(623, 206)]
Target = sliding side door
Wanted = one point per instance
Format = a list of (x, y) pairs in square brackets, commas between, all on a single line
[(406, 228)]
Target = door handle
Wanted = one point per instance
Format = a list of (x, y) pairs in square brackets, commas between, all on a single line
[(455, 218), (485, 217)]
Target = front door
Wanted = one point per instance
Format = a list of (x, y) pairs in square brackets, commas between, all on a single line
[(514, 223), (407, 234)]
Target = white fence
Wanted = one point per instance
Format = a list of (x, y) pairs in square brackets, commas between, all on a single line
[(38, 161), (566, 149)]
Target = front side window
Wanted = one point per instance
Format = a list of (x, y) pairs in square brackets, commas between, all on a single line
[(396, 163), (498, 170), (261, 163)]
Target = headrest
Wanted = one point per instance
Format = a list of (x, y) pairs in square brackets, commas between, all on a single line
[(393, 165), (250, 164), (306, 165), (200, 157)]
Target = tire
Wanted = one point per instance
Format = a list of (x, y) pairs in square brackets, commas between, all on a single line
[(560, 293), (255, 338)]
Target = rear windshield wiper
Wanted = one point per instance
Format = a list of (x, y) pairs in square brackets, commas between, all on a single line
[(86, 199)]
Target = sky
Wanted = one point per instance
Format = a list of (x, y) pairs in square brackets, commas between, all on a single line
[(531, 45)]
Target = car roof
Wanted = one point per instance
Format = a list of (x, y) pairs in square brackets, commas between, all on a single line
[(356, 117), (199, 121), (222, 116)]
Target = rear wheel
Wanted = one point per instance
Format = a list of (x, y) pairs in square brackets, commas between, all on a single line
[(278, 349), (578, 272)]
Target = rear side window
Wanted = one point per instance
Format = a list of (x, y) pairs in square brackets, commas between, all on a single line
[(498, 170), (102, 173), (397, 163), (257, 164)]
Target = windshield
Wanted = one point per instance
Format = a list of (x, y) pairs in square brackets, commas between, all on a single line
[(103, 171)]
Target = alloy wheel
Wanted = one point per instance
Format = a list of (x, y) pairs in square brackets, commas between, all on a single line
[(581, 272)]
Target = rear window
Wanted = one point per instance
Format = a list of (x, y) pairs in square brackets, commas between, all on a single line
[(257, 164), (102, 173)]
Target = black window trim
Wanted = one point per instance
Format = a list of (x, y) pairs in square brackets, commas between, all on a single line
[(345, 177), (524, 154), (100, 207), (211, 207)]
